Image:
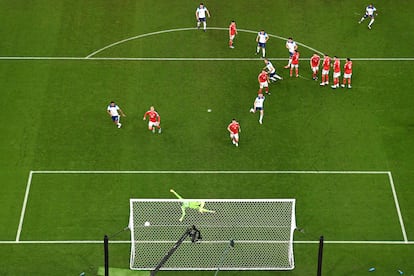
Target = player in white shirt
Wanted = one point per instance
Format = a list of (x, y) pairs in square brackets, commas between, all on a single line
[(113, 110), (370, 12), (201, 16), (271, 70), (261, 40), (291, 46), (258, 105)]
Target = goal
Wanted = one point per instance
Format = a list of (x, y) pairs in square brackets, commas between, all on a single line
[(262, 231)]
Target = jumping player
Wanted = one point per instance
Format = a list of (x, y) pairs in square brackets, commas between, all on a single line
[(196, 205)]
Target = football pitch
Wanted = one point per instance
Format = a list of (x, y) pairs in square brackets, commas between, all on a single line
[(68, 172)]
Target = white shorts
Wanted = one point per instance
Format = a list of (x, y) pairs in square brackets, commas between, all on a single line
[(263, 84), (325, 72), (336, 74), (152, 124), (232, 37), (347, 76), (294, 66), (315, 69), (234, 136)]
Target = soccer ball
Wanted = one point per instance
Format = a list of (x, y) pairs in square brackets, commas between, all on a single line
[(147, 223), (251, 110)]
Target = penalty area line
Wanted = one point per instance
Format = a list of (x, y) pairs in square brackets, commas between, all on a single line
[(210, 172), (26, 197)]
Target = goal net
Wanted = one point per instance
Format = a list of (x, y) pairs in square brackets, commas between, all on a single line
[(262, 230)]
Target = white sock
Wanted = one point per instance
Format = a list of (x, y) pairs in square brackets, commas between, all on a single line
[(278, 77), (264, 52), (257, 49), (205, 25), (290, 62), (362, 19), (198, 24), (261, 117), (372, 21)]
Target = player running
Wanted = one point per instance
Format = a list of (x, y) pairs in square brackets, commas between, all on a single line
[(196, 205), (271, 70), (232, 33), (154, 120), (369, 12), (113, 110), (234, 129), (314, 64), (258, 105)]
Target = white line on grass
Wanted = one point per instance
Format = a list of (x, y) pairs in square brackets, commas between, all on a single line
[(26, 197), (397, 206), (185, 58), (226, 241), (211, 172)]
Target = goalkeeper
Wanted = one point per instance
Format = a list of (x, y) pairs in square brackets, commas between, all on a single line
[(196, 205)]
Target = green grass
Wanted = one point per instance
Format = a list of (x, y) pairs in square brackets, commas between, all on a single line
[(54, 119)]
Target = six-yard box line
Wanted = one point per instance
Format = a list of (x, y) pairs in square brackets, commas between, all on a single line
[(390, 178)]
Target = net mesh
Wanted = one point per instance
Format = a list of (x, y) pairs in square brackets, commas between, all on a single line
[(262, 231)]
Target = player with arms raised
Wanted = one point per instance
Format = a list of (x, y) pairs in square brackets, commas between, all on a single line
[(261, 40), (326, 66), (154, 120), (347, 73), (314, 64), (234, 129), (232, 33), (370, 11), (201, 16), (337, 72)]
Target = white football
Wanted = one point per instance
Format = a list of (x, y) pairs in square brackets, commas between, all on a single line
[(147, 223)]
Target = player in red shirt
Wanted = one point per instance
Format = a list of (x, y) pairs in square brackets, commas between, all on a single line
[(154, 120), (326, 65), (232, 33), (347, 73), (314, 64), (295, 63), (234, 129), (337, 72), (263, 79)]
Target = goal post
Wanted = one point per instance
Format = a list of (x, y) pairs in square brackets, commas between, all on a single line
[(262, 231)]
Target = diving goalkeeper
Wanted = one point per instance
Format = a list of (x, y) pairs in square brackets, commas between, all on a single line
[(196, 205)]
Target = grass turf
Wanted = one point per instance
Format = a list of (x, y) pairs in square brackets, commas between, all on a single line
[(58, 122)]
